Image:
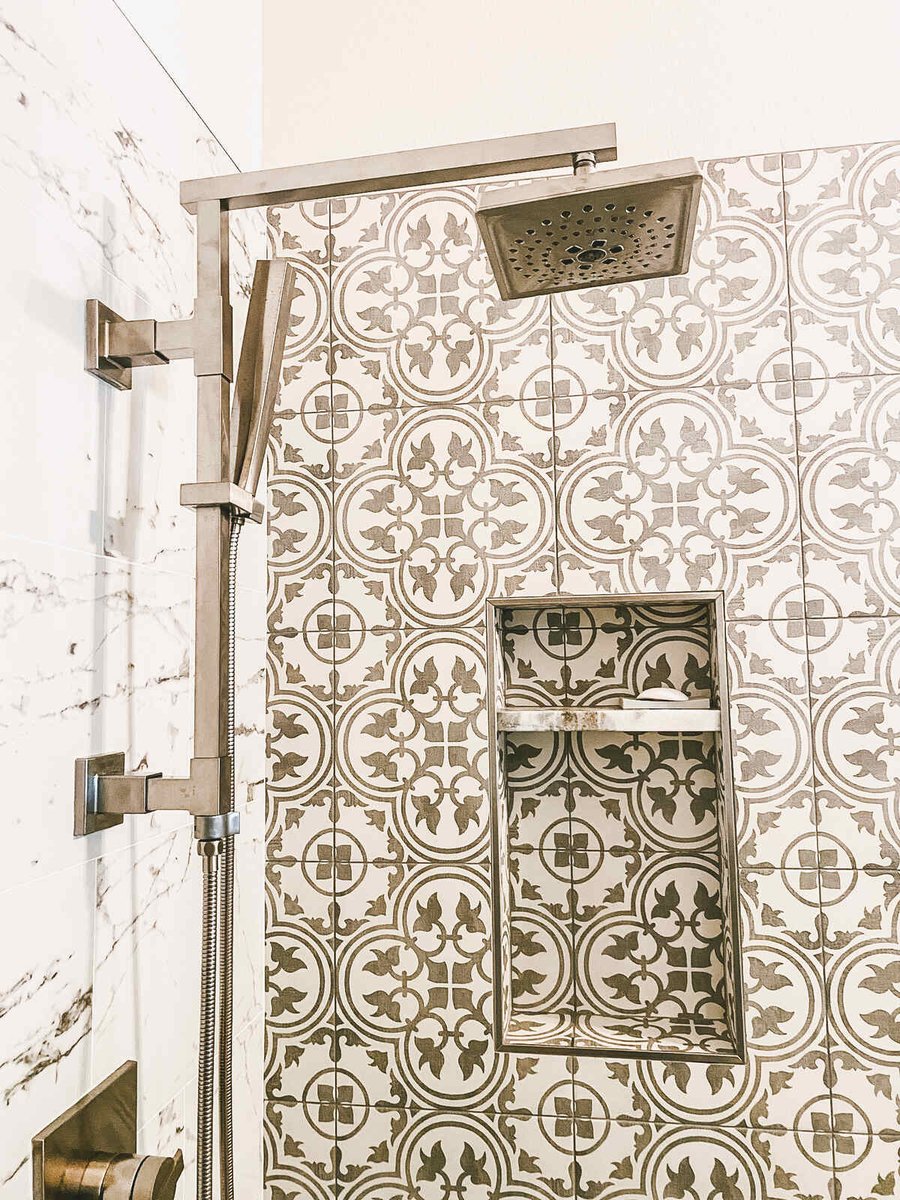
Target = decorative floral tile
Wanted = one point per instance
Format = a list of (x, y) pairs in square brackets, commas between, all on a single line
[(849, 444), (533, 646), (299, 979), (436, 510), (417, 318), (614, 651), (680, 490), (855, 681), (648, 938), (541, 932), (651, 792), (411, 746), (843, 218), (866, 1166), (415, 995), (618, 1161), (784, 1082), (862, 959), (431, 1155), (726, 320), (299, 1157), (537, 789), (772, 754), (300, 723), (300, 233)]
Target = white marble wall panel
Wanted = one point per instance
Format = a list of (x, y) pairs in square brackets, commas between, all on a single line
[(99, 937)]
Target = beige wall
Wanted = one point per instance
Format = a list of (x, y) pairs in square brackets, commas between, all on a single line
[(707, 78)]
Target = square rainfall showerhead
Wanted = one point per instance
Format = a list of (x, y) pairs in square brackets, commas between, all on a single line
[(591, 229)]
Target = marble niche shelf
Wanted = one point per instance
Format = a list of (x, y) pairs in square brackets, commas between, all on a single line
[(611, 720), (614, 862)]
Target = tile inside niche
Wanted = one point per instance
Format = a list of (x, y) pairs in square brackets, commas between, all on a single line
[(533, 641), (614, 651)]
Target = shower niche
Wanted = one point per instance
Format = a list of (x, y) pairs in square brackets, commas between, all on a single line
[(614, 862)]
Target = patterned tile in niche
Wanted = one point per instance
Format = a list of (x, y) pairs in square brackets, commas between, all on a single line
[(855, 680), (784, 1082), (680, 490), (541, 932), (614, 651), (537, 790), (417, 317), (533, 646), (415, 994), (648, 940), (411, 745), (862, 960), (437, 510), (772, 742), (617, 1161), (725, 320), (849, 444), (843, 218), (648, 792)]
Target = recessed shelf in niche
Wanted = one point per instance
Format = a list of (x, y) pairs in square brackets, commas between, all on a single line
[(614, 859), (609, 720)]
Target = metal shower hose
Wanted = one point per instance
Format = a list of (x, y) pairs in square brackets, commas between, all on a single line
[(210, 959)]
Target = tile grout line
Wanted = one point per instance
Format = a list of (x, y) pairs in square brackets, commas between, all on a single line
[(808, 671)]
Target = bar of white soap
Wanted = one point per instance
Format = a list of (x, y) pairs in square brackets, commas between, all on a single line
[(662, 697)]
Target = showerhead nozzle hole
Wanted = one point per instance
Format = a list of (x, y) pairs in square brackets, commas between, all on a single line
[(610, 207), (616, 249), (588, 208)]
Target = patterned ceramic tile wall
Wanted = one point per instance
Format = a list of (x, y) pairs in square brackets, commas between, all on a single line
[(735, 428)]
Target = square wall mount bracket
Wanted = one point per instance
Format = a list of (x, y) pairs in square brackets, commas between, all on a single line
[(87, 774), (97, 322)]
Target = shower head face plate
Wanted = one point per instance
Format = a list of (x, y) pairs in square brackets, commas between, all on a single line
[(600, 228)]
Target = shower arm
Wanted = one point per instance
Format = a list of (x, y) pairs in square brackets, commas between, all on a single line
[(115, 346)]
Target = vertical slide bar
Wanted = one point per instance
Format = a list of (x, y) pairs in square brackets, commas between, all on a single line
[(213, 368)]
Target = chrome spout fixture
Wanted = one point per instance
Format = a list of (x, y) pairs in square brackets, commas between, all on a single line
[(592, 229)]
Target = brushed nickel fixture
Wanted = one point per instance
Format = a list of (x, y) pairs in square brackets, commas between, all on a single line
[(231, 444), (596, 229), (90, 1150)]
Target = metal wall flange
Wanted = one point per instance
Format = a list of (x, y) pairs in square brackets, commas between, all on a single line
[(88, 772), (113, 345), (90, 1150)]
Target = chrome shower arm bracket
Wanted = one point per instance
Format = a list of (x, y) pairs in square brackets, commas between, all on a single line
[(114, 346), (105, 794)]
